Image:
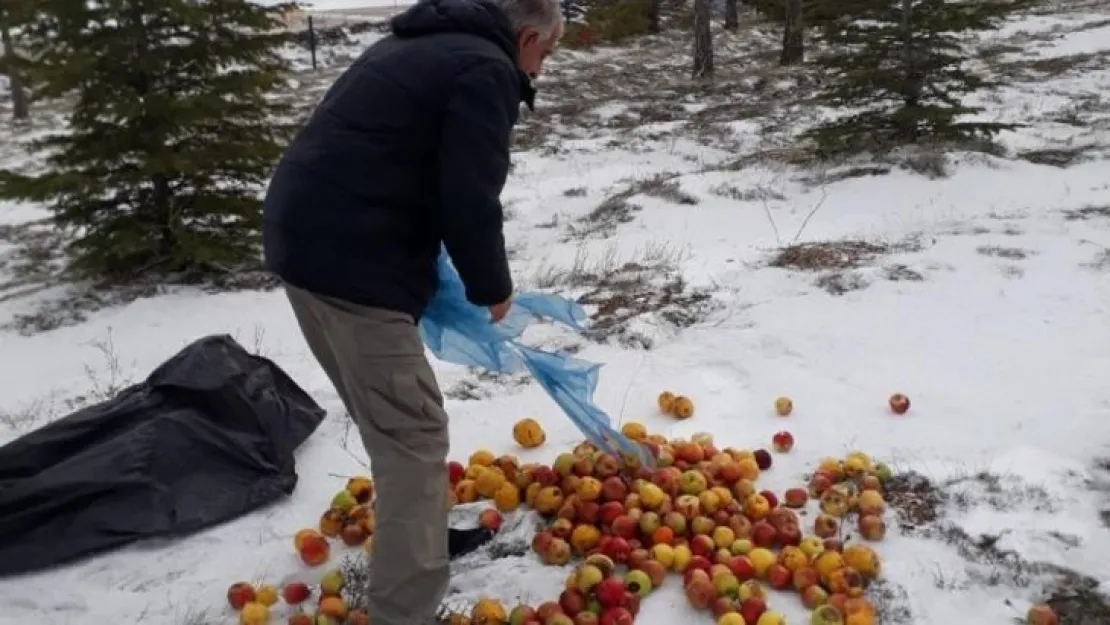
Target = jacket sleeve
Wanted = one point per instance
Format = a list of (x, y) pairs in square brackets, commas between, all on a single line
[(474, 164)]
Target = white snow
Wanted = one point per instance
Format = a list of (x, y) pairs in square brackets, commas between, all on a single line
[(1003, 348)]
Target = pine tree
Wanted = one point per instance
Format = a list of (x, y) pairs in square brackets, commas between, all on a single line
[(793, 34), (12, 14), (703, 39), (902, 65), (171, 135), (573, 10), (732, 15)]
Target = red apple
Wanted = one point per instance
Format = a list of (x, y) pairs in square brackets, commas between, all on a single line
[(541, 541), (779, 577), (782, 441), (762, 459), (606, 466), (700, 592), (491, 519), (764, 534), (613, 489), (899, 403), (617, 548), (772, 498), (625, 527), (702, 545), (609, 511), (588, 512), (790, 534), (616, 615), (795, 498), (546, 610), (610, 592), (545, 476), (295, 592), (240, 594), (455, 472), (752, 609), (742, 568), (572, 601)]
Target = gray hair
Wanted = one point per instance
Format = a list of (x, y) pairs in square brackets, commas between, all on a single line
[(543, 15)]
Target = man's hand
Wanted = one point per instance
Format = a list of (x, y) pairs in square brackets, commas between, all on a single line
[(498, 311)]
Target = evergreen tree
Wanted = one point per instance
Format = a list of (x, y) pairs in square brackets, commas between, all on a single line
[(13, 13), (573, 10), (703, 39), (902, 65), (172, 132)]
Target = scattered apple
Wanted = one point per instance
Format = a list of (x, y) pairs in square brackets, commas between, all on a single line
[(783, 441), (763, 459), (899, 403), (1041, 614), (240, 594)]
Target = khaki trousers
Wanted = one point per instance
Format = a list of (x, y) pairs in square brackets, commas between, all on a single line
[(375, 359)]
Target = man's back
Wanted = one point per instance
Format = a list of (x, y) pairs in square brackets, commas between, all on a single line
[(356, 209)]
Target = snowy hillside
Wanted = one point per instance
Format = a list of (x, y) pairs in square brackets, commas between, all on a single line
[(721, 269)]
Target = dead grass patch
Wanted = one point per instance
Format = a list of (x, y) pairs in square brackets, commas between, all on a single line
[(1101, 261), (827, 255), (484, 384), (1076, 599), (646, 287), (841, 282), (1088, 212), (635, 293), (1056, 157), (902, 273), (1009, 253), (836, 262), (920, 506), (618, 208)]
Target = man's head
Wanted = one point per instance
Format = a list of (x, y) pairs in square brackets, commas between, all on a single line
[(538, 25)]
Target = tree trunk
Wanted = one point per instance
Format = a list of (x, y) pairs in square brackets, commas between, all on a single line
[(913, 87), (793, 34), (654, 9), (703, 40), (732, 15), (21, 108)]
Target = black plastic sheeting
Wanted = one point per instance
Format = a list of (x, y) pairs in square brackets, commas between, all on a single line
[(209, 436)]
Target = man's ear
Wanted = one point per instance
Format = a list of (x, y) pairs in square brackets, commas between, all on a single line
[(528, 37)]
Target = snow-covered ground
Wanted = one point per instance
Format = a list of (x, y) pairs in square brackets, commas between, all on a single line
[(985, 298)]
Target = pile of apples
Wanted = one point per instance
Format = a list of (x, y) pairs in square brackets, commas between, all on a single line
[(595, 593), (700, 514), (253, 602), (697, 512)]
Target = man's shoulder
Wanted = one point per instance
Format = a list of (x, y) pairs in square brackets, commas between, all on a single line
[(454, 51)]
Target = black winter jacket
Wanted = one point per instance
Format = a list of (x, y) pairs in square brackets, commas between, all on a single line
[(407, 150)]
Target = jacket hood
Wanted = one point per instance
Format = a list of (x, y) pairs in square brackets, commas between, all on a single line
[(476, 17)]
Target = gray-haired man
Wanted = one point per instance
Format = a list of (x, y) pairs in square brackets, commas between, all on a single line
[(408, 151)]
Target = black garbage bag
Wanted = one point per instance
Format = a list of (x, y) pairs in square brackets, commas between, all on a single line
[(207, 437)]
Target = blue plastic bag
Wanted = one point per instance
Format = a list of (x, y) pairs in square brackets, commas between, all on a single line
[(459, 332)]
